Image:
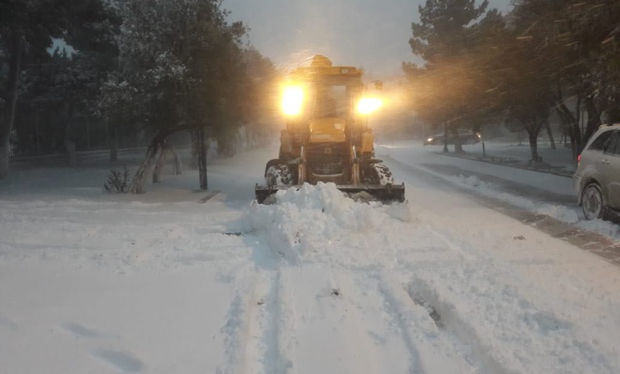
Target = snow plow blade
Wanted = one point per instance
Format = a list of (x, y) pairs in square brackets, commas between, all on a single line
[(384, 193)]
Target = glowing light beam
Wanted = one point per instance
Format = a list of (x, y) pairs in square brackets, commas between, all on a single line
[(292, 100), (368, 105)]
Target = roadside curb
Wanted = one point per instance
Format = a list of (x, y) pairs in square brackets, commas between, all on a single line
[(465, 156)]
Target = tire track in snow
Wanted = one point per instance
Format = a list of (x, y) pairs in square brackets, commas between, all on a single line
[(274, 362), (431, 351), (482, 306), (400, 316), (238, 325), (457, 328), (339, 324), (253, 326)]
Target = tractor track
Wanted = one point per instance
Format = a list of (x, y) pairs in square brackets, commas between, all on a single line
[(274, 360), (401, 316), (456, 329), (238, 327), (432, 340), (252, 331)]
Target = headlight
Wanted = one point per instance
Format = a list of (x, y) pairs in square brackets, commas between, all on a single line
[(368, 105), (429, 140), (292, 100)]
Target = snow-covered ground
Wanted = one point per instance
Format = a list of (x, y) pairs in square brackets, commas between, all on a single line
[(539, 192), (513, 152), (316, 283)]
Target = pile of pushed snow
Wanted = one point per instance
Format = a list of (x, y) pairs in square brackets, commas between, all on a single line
[(311, 221)]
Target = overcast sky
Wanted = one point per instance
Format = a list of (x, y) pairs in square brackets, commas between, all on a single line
[(372, 34)]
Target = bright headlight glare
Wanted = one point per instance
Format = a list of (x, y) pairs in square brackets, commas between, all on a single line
[(292, 100), (368, 105)]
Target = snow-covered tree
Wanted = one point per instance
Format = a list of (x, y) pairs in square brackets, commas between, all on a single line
[(574, 45), (447, 86), (26, 29), (24, 24), (180, 68)]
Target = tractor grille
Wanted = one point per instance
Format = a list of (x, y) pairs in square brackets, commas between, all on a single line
[(327, 159)]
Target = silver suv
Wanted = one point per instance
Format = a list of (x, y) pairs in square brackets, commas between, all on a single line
[(597, 179)]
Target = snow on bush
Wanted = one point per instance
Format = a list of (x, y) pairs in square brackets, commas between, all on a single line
[(311, 221), (118, 181)]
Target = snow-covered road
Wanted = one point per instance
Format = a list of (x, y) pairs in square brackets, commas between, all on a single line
[(317, 283)]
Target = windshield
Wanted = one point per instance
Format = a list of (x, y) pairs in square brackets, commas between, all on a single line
[(331, 101)]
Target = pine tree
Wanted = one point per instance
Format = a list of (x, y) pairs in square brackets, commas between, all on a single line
[(445, 84), (26, 29), (443, 29)]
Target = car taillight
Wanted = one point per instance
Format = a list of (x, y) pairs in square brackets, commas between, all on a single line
[(578, 158)]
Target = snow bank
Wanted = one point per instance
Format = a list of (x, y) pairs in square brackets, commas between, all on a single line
[(561, 213), (310, 221)]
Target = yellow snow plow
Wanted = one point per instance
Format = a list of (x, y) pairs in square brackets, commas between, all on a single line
[(327, 137)]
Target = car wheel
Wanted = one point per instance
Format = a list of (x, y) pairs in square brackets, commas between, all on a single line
[(592, 202)]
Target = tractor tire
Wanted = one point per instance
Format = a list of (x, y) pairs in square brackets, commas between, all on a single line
[(378, 174), (278, 173)]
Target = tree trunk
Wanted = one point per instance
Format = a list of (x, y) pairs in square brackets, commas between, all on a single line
[(71, 153), (194, 150), (6, 123), (5, 150), (458, 147), (69, 143), (594, 120), (533, 137), (445, 137), (87, 124), (37, 137), (159, 165), (202, 158), (550, 134), (570, 123), (114, 144), (484, 148), (178, 165), (137, 184)]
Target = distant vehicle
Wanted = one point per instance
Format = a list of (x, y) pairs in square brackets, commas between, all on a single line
[(466, 136), (597, 179)]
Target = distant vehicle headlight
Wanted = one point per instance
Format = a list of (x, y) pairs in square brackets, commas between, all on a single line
[(292, 100), (429, 140), (368, 105)]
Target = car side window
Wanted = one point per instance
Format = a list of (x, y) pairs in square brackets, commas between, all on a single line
[(610, 144), (602, 142), (616, 148)]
